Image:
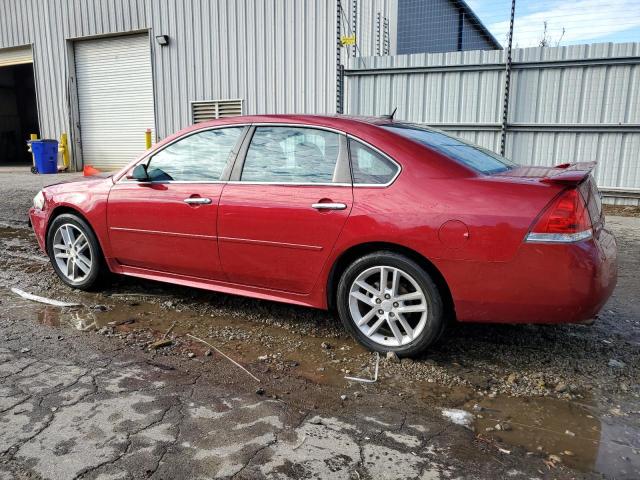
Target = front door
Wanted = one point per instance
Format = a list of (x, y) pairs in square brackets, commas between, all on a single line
[(168, 223), (279, 220)]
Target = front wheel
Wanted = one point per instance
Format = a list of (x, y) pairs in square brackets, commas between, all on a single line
[(389, 303), (74, 251)]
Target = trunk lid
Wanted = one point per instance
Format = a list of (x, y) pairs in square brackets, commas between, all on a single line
[(567, 175)]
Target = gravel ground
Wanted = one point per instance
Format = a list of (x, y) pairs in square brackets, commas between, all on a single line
[(622, 210), (552, 379)]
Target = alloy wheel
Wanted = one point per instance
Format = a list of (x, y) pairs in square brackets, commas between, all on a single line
[(388, 306), (72, 252)]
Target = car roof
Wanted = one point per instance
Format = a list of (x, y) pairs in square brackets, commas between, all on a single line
[(340, 122)]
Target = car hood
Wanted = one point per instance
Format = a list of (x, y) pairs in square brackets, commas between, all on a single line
[(92, 179), (79, 183)]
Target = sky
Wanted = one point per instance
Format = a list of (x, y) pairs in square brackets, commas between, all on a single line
[(583, 21)]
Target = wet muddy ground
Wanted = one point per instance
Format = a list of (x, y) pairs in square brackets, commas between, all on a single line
[(554, 401)]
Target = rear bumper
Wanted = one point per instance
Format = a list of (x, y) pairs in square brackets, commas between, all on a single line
[(38, 221), (544, 283)]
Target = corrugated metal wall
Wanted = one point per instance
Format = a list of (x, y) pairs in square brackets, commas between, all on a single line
[(568, 104), (276, 55)]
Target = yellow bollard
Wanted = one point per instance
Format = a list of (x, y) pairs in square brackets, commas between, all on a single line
[(147, 137), (33, 136), (63, 148)]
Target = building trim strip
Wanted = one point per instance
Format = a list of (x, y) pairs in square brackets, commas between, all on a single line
[(482, 67)]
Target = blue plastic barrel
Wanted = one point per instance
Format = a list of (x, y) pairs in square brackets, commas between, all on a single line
[(45, 153)]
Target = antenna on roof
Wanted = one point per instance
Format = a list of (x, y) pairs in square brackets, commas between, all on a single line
[(390, 116)]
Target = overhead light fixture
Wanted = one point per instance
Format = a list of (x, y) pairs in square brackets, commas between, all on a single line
[(162, 40)]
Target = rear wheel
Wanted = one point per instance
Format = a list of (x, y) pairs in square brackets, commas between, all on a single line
[(389, 303), (74, 251)]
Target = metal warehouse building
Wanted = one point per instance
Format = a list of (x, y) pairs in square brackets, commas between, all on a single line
[(105, 71)]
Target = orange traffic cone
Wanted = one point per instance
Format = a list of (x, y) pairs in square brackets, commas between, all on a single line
[(89, 171)]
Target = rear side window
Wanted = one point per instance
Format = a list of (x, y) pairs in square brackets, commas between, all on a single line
[(291, 155), (369, 167), (200, 157), (478, 158)]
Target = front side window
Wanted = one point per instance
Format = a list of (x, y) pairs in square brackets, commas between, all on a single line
[(291, 155), (474, 156), (369, 167), (200, 157)]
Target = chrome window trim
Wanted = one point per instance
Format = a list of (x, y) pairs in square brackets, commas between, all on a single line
[(235, 182), (380, 152), (164, 182), (299, 125), (285, 184)]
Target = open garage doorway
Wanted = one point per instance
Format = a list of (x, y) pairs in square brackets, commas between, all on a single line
[(18, 113)]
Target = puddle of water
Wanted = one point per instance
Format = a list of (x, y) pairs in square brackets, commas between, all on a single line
[(246, 341), (6, 231), (619, 453), (49, 316), (582, 438)]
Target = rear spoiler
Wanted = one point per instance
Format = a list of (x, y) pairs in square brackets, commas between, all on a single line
[(570, 173)]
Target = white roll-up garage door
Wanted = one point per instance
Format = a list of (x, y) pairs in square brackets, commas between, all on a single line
[(115, 97), (15, 56)]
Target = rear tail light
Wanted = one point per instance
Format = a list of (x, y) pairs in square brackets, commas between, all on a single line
[(565, 220)]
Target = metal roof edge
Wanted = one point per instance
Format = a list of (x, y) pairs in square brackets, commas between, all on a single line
[(476, 20)]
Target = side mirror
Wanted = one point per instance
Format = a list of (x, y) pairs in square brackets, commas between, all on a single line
[(139, 173)]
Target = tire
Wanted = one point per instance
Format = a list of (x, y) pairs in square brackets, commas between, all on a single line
[(422, 312), (85, 274)]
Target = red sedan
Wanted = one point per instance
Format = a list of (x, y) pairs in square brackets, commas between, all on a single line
[(398, 227)]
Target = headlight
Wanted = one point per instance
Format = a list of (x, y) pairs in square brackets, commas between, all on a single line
[(38, 201)]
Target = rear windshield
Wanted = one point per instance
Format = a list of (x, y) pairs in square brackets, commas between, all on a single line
[(478, 158)]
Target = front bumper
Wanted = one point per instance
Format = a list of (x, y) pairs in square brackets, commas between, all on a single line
[(544, 283), (38, 222)]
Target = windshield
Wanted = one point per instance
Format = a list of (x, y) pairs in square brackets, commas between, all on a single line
[(478, 158)]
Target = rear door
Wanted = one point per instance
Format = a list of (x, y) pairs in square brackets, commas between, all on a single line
[(169, 223), (282, 212)]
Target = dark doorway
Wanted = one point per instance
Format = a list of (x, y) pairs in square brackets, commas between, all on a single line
[(18, 113)]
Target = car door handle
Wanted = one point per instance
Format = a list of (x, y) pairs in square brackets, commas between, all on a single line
[(329, 206), (197, 201)]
